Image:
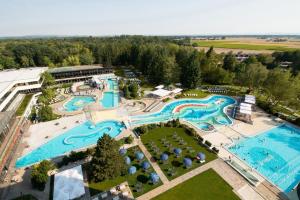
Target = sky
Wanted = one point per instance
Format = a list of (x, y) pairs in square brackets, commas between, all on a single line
[(148, 17)]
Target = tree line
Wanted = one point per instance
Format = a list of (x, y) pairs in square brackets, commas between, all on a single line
[(162, 60)]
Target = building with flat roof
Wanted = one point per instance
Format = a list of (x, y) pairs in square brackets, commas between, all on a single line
[(13, 82), (78, 73)]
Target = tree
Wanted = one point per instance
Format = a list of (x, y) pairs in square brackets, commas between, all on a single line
[(134, 88), (279, 86), (48, 79), (71, 61), (229, 62), (126, 92), (106, 162), (252, 75), (45, 113), (39, 174)]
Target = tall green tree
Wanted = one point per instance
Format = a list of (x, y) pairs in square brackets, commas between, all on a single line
[(106, 162)]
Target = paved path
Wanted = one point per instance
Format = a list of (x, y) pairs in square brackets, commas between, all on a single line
[(155, 166)]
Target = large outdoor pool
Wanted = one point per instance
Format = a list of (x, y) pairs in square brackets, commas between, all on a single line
[(195, 111), (83, 135), (78, 102), (275, 154)]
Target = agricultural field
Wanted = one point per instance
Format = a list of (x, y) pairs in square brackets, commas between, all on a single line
[(248, 44)]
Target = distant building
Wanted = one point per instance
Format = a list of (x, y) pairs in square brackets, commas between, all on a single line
[(78, 73), (285, 64)]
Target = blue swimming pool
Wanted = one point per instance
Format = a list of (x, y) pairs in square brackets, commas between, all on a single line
[(275, 154), (83, 135), (110, 99), (209, 110), (78, 102)]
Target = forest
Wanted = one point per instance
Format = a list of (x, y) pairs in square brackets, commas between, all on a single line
[(163, 60)]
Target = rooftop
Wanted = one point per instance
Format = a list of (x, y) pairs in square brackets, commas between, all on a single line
[(10, 77), (74, 68)]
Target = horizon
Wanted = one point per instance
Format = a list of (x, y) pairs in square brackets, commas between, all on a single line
[(168, 18)]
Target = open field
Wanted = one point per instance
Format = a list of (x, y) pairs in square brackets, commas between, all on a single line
[(208, 185), (250, 44)]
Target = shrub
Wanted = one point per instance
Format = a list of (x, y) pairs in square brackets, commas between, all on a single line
[(128, 140), (207, 143), (39, 174)]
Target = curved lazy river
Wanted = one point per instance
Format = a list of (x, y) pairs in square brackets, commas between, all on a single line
[(194, 111), (84, 135)]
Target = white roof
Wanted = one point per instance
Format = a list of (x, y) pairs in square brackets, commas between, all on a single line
[(251, 101), (161, 92), (8, 78), (245, 112), (68, 184), (245, 108), (247, 96), (176, 90), (159, 87), (246, 105)]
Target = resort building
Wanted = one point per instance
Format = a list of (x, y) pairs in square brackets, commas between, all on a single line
[(13, 85), (78, 73)]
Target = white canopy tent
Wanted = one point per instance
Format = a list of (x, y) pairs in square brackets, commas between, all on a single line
[(176, 90), (69, 184), (159, 87), (161, 93)]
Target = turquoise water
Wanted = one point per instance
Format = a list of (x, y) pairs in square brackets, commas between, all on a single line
[(208, 110), (275, 154), (110, 99), (81, 136), (78, 102)]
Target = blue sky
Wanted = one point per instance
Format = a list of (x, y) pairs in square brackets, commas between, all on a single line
[(148, 17)]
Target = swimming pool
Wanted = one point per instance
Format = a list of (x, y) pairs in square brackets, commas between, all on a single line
[(78, 102), (83, 135), (110, 99), (209, 110), (275, 154)]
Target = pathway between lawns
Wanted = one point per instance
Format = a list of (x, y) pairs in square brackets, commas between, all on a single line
[(155, 166), (170, 184)]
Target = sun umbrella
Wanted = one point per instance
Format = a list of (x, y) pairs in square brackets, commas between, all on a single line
[(145, 165), (164, 157), (154, 177), (177, 151), (139, 155), (122, 151), (127, 160), (187, 162), (201, 156), (132, 170)]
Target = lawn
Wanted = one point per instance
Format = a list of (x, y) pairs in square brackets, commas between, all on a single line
[(205, 186), (199, 94), (174, 167), (23, 105), (239, 45), (139, 176)]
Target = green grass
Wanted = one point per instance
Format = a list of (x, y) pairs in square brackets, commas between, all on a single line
[(23, 105), (238, 45), (140, 176), (157, 134), (206, 186), (199, 93)]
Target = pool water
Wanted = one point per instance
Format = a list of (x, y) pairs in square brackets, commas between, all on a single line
[(81, 136), (275, 154), (110, 99), (78, 102), (209, 110)]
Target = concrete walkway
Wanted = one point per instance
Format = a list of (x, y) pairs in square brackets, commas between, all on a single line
[(155, 166)]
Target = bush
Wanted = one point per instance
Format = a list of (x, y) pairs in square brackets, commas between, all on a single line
[(128, 140), (74, 156), (39, 174), (208, 143), (166, 99)]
